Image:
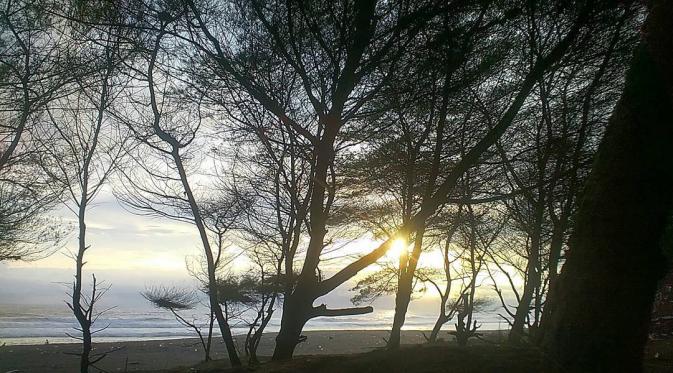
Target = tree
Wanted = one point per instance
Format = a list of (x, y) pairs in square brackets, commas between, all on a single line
[(368, 49), (334, 107), (615, 251), (548, 155), (80, 148), (220, 215), (176, 300), (474, 236), (166, 132), (446, 310), (288, 93), (25, 232), (32, 72), (413, 139), (265, 289), (272, 177)]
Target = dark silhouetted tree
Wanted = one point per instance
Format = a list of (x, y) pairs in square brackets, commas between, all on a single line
[(616, 249)]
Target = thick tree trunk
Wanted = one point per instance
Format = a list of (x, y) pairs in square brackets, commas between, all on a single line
[(300, 306), (295, 316), (405, 287), (604, 294), (402, 299)]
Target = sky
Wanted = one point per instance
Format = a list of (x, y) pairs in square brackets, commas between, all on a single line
[(127, 251), (131, 252)]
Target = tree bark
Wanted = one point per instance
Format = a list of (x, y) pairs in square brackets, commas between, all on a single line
[(404, 289), (289, 335), (615, 259), (402, 299)]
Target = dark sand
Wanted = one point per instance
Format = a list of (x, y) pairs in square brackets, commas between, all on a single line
[(147, 355)]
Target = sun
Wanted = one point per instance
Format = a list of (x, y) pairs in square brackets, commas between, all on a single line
[(397, 249)]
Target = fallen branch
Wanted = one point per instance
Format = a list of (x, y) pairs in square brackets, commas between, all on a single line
[(322, 310)]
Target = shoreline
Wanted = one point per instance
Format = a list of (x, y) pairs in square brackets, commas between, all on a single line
[(173, 353)]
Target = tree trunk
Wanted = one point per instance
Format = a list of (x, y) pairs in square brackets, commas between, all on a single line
[(555, 249), (402, 299), (77, 309), (615, 259), (225, 330), (298, 306), (210, 336), (253, 338), (516, 334), (405, 288), (212, 278), (441, 320)]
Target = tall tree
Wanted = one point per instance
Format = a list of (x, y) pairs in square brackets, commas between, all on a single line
[(547, 155), (334, 85), (81, 147), (615, 252), (358, 54), (167, 126)]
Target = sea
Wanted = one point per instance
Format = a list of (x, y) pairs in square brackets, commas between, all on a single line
[(31, 324)]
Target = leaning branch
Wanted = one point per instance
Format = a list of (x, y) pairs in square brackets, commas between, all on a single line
[(440, 197)]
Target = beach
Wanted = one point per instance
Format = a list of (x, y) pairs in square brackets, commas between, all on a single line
[(163, 354), (153, 355)]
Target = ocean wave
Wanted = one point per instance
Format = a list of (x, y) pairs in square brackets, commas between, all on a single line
[(122, 325)]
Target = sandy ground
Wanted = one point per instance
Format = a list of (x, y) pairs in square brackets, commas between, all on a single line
[(145, 355)]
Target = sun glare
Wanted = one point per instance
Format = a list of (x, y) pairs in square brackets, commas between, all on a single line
[(397, 249)]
